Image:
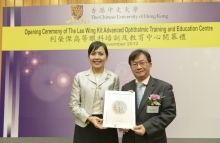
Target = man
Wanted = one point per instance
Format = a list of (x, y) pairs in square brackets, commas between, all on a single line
[(151, 121)]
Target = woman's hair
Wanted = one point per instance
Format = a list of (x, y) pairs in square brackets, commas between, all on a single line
[(95, 45)]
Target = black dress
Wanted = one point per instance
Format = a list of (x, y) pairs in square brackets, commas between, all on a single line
[(91, 134)]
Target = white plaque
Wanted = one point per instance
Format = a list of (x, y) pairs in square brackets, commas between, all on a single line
[(119, 109), (152, 109)]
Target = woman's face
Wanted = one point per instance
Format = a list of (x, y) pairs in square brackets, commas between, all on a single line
[(98, 58)]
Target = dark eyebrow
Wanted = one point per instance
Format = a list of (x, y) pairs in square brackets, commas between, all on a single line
[(140, 61), (98, 52)]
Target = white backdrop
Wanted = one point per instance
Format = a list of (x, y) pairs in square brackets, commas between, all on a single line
[(195, 76)]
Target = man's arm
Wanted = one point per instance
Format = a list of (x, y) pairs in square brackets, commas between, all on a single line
[(158, 123)]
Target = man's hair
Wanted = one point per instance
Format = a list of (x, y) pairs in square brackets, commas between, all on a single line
[(136, 53)]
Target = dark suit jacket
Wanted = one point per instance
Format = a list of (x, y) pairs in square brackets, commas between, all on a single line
[(154, 123)]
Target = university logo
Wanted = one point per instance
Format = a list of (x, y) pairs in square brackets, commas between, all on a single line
[(77, 11), (77, 14)]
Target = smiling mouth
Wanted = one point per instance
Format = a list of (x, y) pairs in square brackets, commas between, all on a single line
[(139, 72), (97, 62)]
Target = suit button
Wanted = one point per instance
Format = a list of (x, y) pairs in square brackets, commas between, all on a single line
[(100, 87), (101, 98)]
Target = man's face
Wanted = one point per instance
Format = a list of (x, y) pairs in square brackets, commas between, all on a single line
[(140, 67)]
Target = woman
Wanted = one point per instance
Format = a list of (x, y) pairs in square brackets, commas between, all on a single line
[(87, 98)]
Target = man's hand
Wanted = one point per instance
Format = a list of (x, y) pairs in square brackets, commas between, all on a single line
[(123, 130), (97, 122), (140, 130)]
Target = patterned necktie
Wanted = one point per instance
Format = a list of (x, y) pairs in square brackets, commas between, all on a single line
[(139, 93)]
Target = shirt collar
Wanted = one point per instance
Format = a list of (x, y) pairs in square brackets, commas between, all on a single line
[(91, 71), (145, 82)]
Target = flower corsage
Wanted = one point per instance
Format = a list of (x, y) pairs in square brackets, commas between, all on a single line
[(155, 99)]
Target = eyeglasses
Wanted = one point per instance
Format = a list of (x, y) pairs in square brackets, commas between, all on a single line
[(142, 63)]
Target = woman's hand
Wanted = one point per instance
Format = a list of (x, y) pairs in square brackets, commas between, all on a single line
[(131, 91), (96, 121)]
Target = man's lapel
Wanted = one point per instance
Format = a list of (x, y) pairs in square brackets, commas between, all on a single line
[(133, 87), (149, 89)]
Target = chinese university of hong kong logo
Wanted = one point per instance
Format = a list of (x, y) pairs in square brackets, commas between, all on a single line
[(77, 11), (119, 107), (77, 14)]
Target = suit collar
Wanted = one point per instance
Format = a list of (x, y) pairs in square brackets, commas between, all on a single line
[(133, 85), (149, 89), (105, 76), (150, 84)]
